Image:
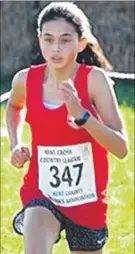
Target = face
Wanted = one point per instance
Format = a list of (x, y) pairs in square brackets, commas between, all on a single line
[(59, 43)]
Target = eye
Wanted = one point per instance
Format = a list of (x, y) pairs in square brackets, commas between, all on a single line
[(48, 40), (65, 40)]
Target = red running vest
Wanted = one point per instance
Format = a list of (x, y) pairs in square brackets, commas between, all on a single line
[(50, 128)]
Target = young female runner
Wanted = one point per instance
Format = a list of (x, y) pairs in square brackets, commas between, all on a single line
[(75, 121)]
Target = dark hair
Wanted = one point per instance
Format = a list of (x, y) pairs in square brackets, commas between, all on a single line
[(93, 53)]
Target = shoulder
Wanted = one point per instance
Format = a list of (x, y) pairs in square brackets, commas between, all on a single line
[(20, 78), (18, 90), (97, 73), (98, 80)]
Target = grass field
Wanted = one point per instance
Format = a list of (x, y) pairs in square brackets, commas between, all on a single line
[(121, 194)]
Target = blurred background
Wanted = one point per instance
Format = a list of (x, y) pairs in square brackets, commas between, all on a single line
[(113, 24)]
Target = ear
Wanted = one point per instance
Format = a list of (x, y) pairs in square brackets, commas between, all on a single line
[(82, 44)]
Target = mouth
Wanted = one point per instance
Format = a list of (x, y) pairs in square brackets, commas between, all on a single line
[(56, 59)]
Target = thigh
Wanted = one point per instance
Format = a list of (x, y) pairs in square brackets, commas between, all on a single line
[(41, 230), (84, 240)]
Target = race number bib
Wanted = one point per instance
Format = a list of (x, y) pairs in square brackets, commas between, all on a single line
[(66, 174)]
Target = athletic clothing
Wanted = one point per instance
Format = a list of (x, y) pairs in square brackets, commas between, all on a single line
[(68, 167), (79, 238)]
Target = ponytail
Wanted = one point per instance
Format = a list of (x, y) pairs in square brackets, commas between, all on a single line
[(93, 55)]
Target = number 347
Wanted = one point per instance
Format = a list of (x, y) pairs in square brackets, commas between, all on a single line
[(66, 176)]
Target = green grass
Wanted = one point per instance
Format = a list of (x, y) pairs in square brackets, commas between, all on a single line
[(121, 203)]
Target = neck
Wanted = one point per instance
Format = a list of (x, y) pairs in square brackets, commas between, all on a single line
[(57, 75)]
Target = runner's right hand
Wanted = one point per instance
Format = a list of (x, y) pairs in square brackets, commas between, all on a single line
[(20, 154)]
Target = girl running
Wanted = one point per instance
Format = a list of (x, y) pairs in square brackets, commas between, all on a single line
[(74, 121)]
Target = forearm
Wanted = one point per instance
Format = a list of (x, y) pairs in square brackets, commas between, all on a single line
[(14, 119), (110, 139)]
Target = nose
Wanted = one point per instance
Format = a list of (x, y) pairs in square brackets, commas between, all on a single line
[(56, 46)]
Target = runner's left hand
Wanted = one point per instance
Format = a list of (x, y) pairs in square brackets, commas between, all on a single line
[(70, 97)]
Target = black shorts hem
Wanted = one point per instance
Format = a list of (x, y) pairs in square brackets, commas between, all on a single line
[(79, 238), (35, 203)]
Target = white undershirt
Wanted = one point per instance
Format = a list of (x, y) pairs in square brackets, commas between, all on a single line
[(51, 105)]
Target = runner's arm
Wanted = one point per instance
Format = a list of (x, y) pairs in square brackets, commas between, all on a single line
[(111, 133), (16, 108)]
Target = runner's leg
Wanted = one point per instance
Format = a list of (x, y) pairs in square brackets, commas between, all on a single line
[(41, 230)]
